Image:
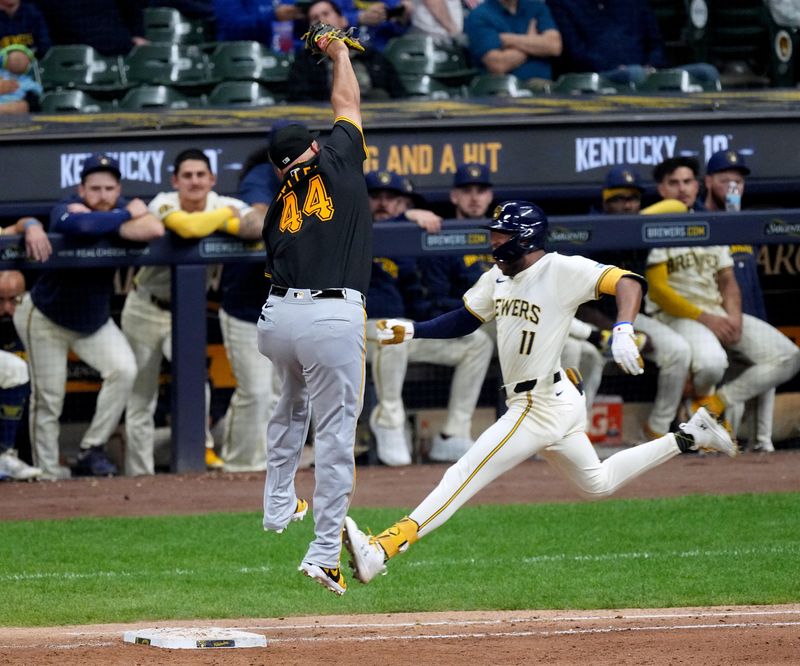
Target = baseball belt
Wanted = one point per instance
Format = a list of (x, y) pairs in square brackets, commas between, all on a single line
[(315, 293), (523, 387)]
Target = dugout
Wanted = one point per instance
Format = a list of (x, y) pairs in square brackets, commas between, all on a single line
[(553, 150)]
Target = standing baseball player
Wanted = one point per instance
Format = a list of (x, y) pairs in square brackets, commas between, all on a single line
[(70, 309), (318, 236), (533, 296), (191, 210)]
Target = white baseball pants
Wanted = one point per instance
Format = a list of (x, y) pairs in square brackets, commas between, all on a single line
[(549, 420), (149, 331), (48, 344)]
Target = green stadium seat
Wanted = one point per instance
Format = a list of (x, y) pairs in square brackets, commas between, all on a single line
[(168, 64), (71, 101), (676, 80), (80, 66), (241, 93), (583, 83), (249, 61), (748, 47), (168, 26), (143, 98), (497, 85), (429, 87), (420, 55)]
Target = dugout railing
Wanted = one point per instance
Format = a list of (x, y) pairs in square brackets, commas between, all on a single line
[(579, 234)]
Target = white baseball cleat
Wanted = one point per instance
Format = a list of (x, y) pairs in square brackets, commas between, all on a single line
[(367, 556), (391, 444), (708, 433)]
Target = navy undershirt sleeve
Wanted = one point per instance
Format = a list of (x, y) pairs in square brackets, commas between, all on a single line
[(454, 324)]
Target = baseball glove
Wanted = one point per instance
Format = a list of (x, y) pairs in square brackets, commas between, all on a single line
[(325, 33)]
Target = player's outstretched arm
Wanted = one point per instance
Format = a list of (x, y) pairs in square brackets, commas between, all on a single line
[(454, 324), (345, 93)]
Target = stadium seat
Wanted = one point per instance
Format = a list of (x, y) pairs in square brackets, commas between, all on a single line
[(497, 85), (165, 25), (80, 66), (249, 61), (71, 101), (241, 93), (748, 47), (420, 55), (428, 87), (676, 80), (583, 83), (143, 98), (168, 64)]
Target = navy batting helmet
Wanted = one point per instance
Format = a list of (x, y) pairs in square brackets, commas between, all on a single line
[(526, 225)]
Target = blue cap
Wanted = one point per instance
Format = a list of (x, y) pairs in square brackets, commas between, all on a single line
[(100, 162), (623, 176), (726, 160), (472, 174), (388, 180)]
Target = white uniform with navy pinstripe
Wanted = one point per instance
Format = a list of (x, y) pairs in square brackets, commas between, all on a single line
[(533, 311)]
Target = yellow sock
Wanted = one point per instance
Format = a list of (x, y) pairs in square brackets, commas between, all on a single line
[(398, 537)]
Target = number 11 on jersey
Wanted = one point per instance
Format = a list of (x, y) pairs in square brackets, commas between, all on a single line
[(526, 344)]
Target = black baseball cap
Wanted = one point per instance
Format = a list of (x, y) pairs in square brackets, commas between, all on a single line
[(726, 160), (100, 162), (289, 142)]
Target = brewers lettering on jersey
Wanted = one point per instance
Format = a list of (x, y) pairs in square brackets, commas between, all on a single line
[(318, 236), (533, 296)]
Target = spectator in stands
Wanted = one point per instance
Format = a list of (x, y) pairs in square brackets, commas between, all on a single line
[(396, 291), (694, 291), (191, 210), (379, 22), (14, 380), (725, 182), (618, 38), (516, 37), (308, 81), (441, 19), (259, 20), (112, 27), (69, 309), (22, 23), (19, 91), (244, 292), (622, 195)]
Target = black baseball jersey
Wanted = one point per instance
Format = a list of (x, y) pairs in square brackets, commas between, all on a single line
[(318, 230)]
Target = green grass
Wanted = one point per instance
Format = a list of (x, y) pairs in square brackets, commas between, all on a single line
[(699, 550)]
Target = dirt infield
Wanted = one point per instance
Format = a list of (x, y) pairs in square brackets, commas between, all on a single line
[(752, 635)]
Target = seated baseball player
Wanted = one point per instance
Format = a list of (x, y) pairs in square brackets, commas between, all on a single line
[(525, 294), (14, 380), (694, 291), (395, 291)]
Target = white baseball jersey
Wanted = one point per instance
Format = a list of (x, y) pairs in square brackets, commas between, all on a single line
[(156, 279), (692, 272), (534, 310)]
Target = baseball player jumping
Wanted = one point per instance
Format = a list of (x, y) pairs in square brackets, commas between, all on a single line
[(532, 295)]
